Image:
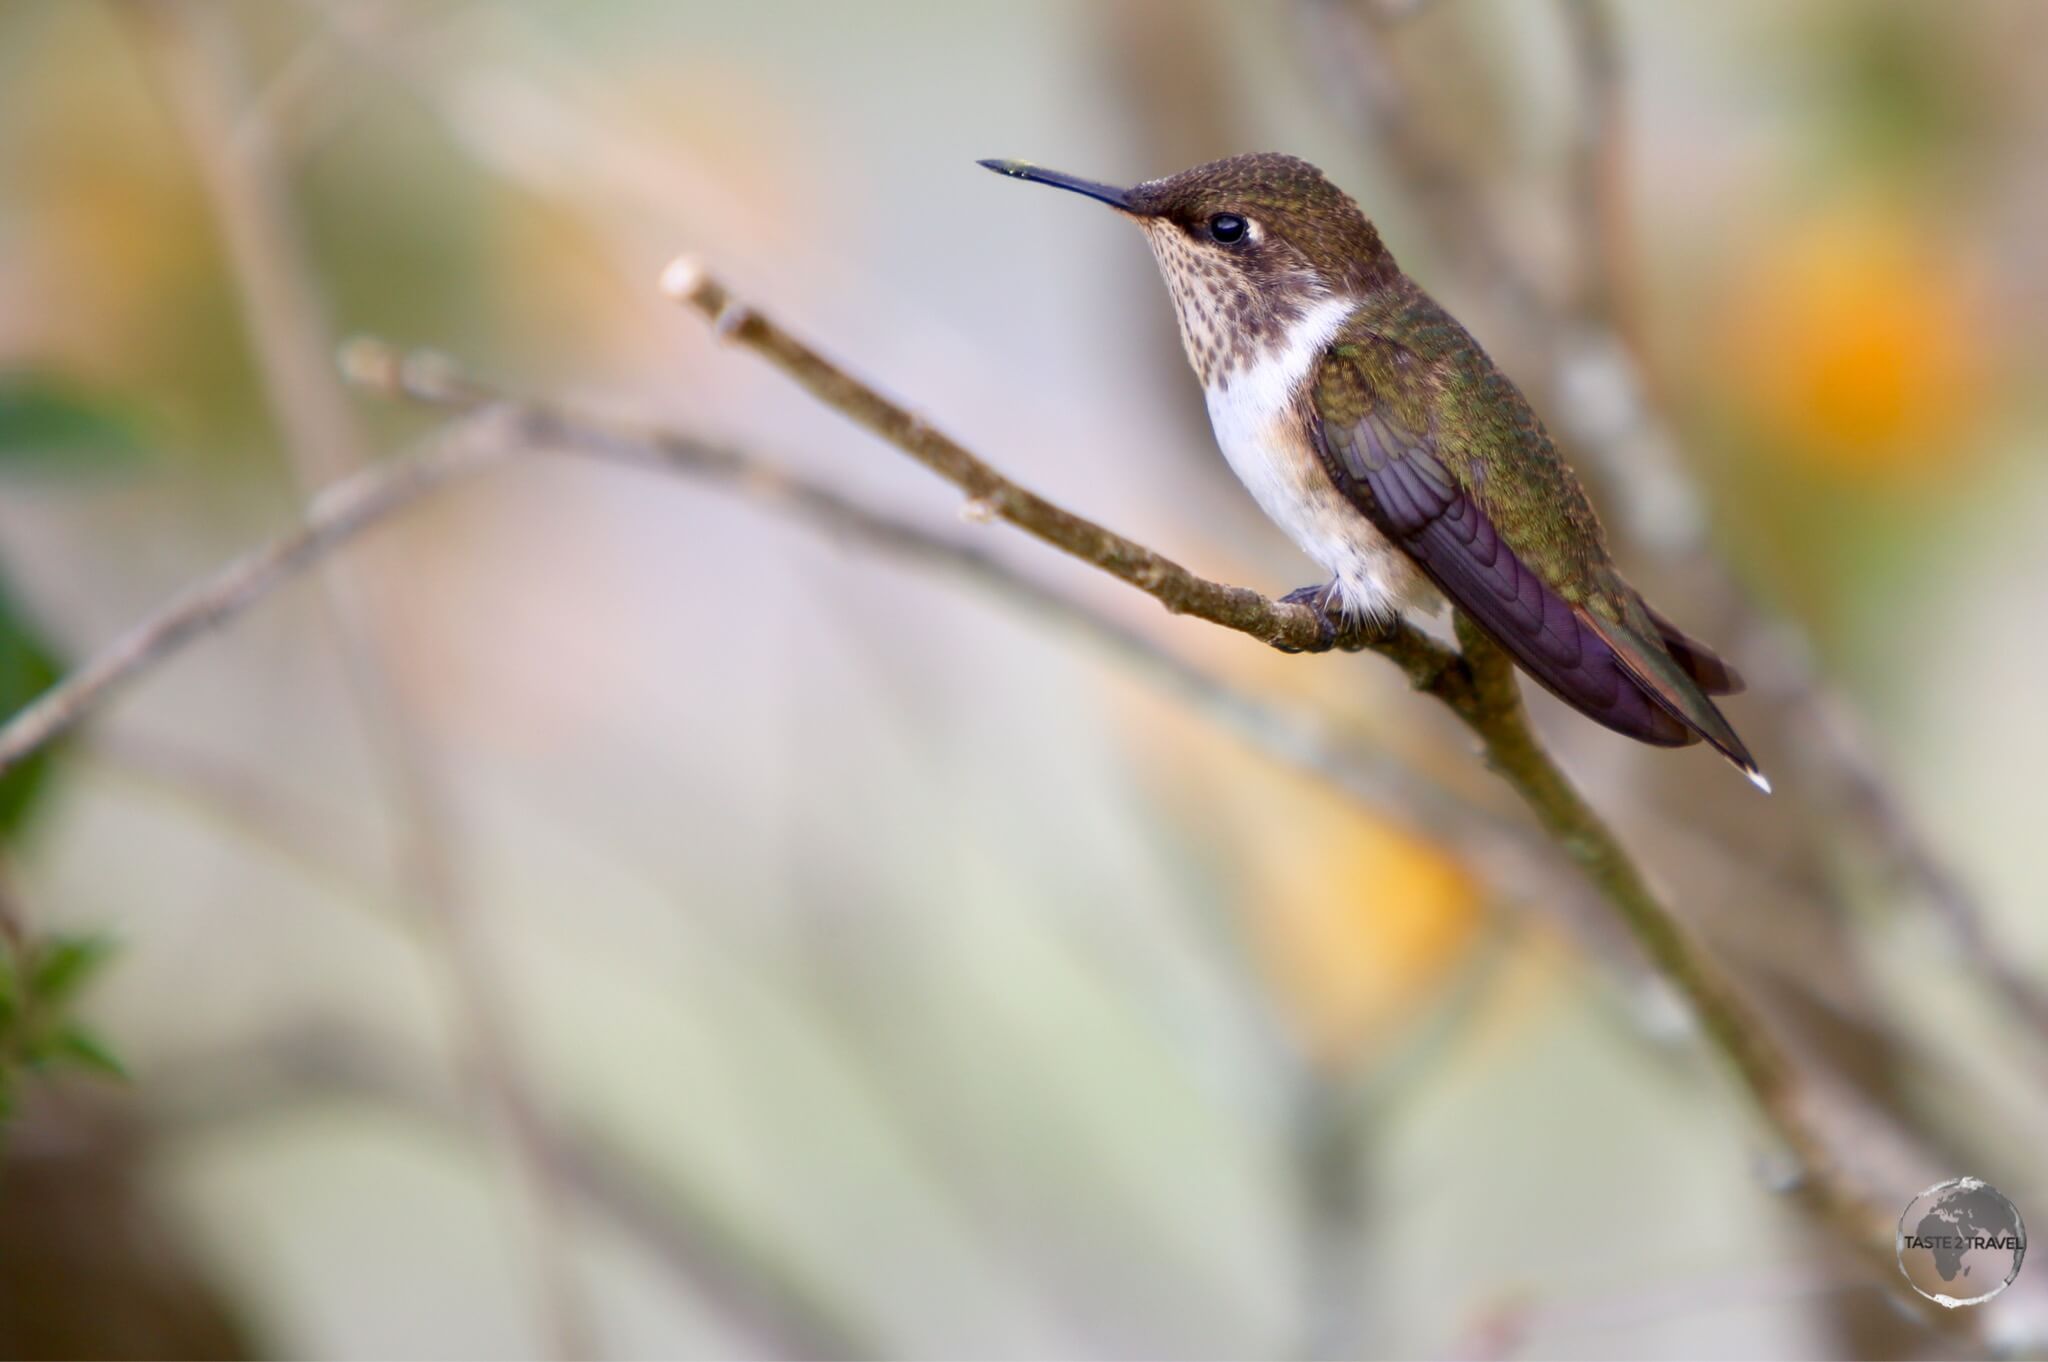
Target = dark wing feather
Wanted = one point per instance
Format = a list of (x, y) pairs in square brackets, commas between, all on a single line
[(1394, 476), (1374, 414)]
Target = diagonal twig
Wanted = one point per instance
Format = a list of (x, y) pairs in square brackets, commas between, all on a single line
[(1428, 664), (1476, 682), (334, 518)]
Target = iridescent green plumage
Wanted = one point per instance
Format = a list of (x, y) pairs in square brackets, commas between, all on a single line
[(1404, 357), (1444, 454)]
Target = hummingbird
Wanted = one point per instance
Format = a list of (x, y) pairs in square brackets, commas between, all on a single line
[(1377, 433)]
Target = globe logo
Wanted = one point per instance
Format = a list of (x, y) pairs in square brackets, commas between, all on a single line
[(1961, 1242)]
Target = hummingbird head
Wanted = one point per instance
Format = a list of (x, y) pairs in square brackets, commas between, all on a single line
[(1247, 246)]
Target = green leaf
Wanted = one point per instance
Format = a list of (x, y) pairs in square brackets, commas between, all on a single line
[(47, 422), (28, 667), (64, 965), (77, 1048)]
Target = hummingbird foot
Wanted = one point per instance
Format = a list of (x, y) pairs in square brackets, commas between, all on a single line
[(1321, 599)]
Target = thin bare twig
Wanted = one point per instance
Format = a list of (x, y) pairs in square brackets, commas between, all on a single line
[(334, 518), (1477, 683), (1283, 625)]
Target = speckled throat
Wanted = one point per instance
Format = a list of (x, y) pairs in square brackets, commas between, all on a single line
[(1228, 318)]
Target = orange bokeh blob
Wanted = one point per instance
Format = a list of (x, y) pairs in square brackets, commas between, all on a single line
[(1857, 340), (1357, 922)]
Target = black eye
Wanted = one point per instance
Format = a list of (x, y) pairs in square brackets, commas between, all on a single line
[(1227, 228)]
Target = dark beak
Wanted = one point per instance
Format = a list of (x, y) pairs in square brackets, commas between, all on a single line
[(1024, 170)]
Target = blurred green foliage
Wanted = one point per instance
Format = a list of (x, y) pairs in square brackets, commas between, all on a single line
[(47, 422), (40, 984), (28, 667), (1905, 93)]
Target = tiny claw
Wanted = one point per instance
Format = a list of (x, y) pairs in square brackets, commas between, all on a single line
[(1316, 598)]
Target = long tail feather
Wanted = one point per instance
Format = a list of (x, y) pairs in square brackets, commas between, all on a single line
[(1667, 682)]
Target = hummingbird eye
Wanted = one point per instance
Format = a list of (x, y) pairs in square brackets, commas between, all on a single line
[(1227, 228)]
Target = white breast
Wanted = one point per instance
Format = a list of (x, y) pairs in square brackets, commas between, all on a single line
[(1251, 410)]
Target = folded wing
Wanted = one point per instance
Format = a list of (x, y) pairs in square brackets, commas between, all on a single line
[(1620, 676)]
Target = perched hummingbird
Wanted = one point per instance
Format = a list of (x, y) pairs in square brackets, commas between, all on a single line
[(1373, 429)]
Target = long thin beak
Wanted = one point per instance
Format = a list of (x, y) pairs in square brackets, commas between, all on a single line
[(1024, 170)]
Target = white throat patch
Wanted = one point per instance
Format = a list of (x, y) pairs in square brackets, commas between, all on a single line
[(1269, 448), (1268, 385)]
